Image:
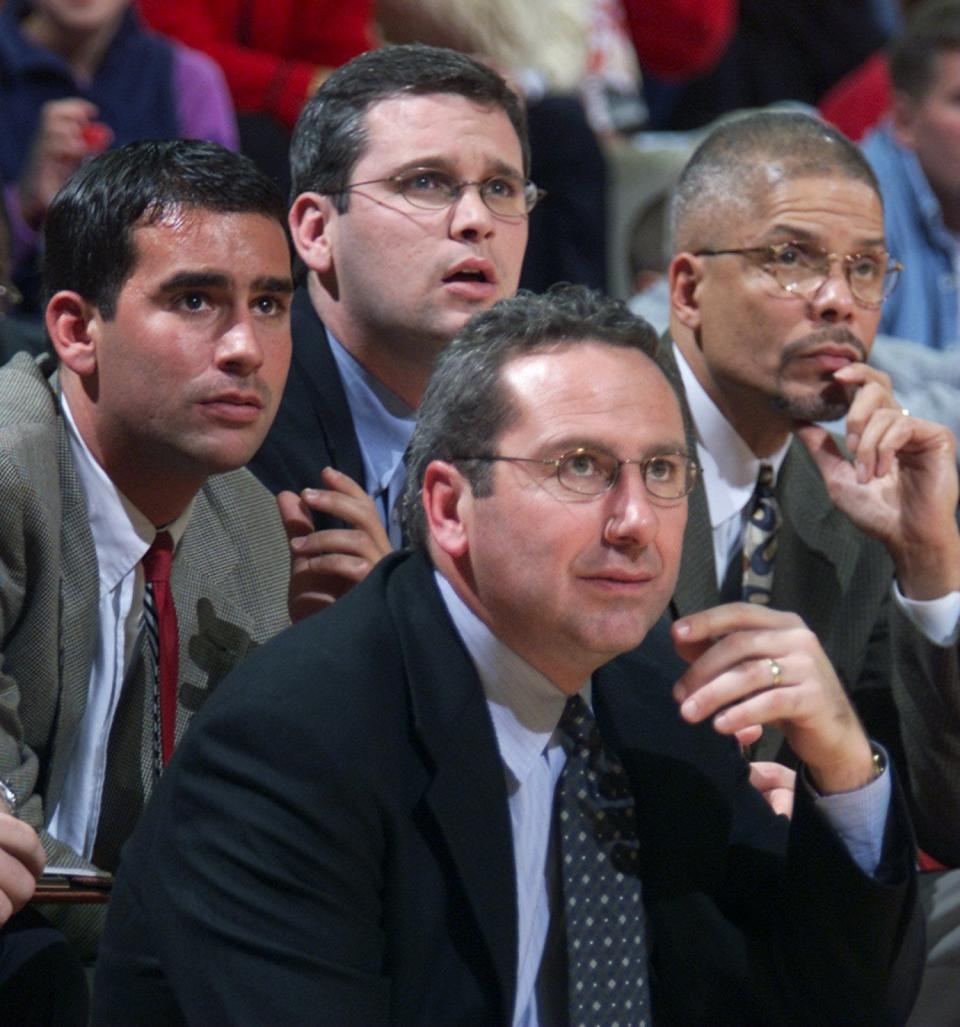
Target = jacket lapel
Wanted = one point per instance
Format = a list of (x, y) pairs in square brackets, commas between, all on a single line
[(814, 544), (467, 794), (79, 602), (334, 420), (697, 583)]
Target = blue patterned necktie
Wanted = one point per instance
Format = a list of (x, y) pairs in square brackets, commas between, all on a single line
[(760, 540), (602, 901)]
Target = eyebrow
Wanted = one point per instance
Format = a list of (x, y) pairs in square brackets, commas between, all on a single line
[(568, 444), (791, 233), (438, 163), (218, 280)]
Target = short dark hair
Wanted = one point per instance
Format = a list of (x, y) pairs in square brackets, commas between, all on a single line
[(744, 155), (930, 29), (331, 132), (88, 233), (465, 408)]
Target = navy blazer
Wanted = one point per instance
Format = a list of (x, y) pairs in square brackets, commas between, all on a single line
[(332, 844), (313, 428)]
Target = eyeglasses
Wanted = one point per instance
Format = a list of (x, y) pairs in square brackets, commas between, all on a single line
[(591, 472), (801, 269), (10, 297), (507, 196)]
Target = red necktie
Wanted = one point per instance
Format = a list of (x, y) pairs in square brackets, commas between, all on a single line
[(156, 568)]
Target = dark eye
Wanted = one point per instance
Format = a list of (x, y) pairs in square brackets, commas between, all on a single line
[(194, 301), (269, 305), (790, 255)]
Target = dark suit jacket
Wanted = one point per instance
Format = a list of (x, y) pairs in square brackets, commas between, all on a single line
[(831, 574), (313, 428), (332, 844)]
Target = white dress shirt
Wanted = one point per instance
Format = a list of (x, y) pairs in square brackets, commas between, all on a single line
[(121, 536), (729, 476), (525, 708)]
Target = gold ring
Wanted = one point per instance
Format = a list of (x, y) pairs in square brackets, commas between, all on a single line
[(775, 672)]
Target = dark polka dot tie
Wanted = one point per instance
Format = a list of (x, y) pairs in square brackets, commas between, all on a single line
[(760, 540), (602, 901)]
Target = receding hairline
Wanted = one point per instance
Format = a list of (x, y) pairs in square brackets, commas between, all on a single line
[(737, 166)]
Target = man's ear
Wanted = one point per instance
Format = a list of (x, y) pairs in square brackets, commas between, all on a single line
[(684, 275), (448, 503), (311, 221), (71, 323), (903, 120)]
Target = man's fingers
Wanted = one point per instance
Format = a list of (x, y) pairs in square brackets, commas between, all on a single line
[(776, 783), (22, 860), (295, 514)]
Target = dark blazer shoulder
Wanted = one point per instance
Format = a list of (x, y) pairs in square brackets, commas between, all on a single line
[(314, 427)]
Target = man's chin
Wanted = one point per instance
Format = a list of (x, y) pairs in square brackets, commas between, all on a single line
[(830, 404)]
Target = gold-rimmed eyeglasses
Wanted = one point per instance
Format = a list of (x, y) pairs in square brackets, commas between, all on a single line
[(801, 269), (591, 472)]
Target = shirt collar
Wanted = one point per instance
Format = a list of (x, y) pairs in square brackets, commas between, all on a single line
[(121, 533), (524, 704), (730, 468), (383, 422)]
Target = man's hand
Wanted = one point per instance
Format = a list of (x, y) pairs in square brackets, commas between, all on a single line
[(901, 487), (66, 134), (776, 783), (750, 665), (22, 860), (327, 564)]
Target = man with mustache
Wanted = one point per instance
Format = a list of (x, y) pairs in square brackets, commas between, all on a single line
[(168, 274), (777, 282), (409, 215)]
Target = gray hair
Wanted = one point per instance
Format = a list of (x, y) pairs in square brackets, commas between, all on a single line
[(731, 170), (465, 408)]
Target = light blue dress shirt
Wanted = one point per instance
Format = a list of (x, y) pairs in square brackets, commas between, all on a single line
[(924, 305), (384, 424)]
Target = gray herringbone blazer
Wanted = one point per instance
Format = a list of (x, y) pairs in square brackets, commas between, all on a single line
[(230, 584), (827, 571)]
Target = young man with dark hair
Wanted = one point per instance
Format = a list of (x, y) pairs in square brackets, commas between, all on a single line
[(409, 215), (168, 282)]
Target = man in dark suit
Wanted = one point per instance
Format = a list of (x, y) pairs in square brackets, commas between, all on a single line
[(777, 282), (409, 215), (399, 861), (168, 273)]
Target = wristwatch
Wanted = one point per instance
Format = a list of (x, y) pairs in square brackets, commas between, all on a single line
[(9, 796)]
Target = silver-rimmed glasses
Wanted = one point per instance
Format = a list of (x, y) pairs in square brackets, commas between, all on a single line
[(591, 472), (506, 195)]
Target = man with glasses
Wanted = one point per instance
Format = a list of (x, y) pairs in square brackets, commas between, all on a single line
[(409, 216), (485, 813), (778, 277)]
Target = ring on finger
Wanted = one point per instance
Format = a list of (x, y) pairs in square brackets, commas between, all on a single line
[(776, 673), (904, 411)]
